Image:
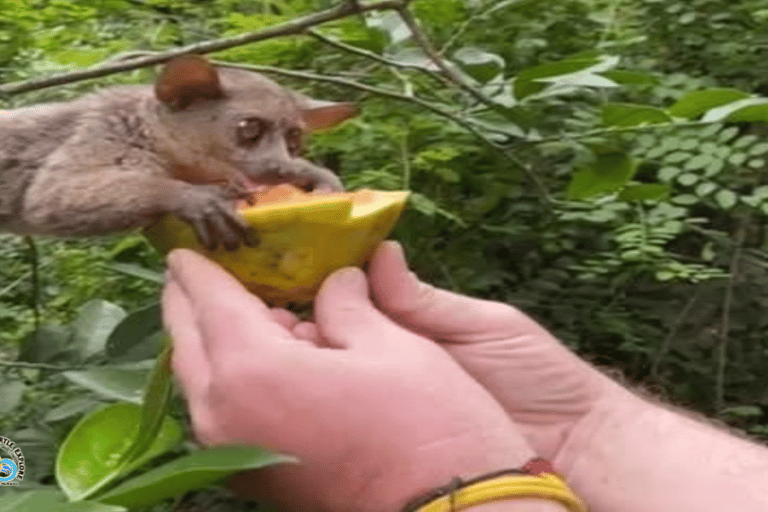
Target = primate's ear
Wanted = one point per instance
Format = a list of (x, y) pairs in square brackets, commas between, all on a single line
[(186, 79), (323, 115)]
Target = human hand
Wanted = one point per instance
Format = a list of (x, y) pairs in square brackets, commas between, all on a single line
[(375, 413), (544, 387)]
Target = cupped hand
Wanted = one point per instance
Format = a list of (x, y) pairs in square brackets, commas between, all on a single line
[(375, 413), (544, 387)]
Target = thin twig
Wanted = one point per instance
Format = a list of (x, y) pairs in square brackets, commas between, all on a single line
[(725, 325), (375, 56), (296, 26), (34, 262), (616, 130), (667, 341), (406, 98), (429, 49), (475, 17)]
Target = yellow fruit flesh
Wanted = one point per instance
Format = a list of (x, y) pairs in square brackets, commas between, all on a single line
[(303, 239)]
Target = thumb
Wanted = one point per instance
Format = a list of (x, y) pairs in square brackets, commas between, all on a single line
[(437, 313), (346, 317)]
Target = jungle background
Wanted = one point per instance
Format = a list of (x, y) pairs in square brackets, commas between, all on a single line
[(599, 164)]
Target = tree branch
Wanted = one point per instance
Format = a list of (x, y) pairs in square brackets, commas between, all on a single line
[(375, 56), (296, 26), (429, 49)]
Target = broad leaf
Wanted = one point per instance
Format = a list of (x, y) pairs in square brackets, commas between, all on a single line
[(697, 103), (726, 199), (627, 114), (644, 192), (631, 78), (89, 458), (746, 110), (93, 326), (609, 173), (46, 344), (526, 81), (156, 401), (133, 330), (481, 65), (125, 382), (10, 395), (196, 470)]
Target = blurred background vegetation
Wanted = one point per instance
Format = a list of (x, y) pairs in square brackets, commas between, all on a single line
[(603, 169)]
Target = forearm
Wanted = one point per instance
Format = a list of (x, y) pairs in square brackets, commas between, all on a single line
[(634, 456)]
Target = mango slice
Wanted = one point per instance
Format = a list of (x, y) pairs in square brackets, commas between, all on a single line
[(303, 238)]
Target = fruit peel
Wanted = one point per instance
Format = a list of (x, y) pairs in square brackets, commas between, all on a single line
[(303, 239)]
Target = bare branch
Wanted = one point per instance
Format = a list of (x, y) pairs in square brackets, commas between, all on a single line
[(721, 347), (429, 49), (376, 57), (292, 27)]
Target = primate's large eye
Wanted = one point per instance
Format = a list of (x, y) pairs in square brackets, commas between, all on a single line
[(250, 130), (293, 141)]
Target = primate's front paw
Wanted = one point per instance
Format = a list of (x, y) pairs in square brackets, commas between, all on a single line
[(210, 211)]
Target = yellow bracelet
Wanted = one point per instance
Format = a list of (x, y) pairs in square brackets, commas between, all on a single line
[(544, 486)]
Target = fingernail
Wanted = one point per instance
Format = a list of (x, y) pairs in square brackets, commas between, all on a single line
[(350, 276)]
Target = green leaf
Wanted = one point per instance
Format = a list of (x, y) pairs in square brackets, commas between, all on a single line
[(124, 382), (480, 64), (668, 173), (45, 344), (677, 157), (688, 179), (726, 199), (609, 173), (743, 411), (133, 330), (93, 326), (72, 407), (737, 159), (697, 103), (10, 395), (526, 82), (759, 149), (627, 114), (698, 162), (706, 188), (156, 401), (89, 458), (196, 470), (714, 168), (630, 77), (49, 500), (749, 110), (644, 192)]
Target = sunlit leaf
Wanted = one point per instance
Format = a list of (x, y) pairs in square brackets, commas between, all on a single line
[(89, 458), (608, 173), (196, 470), (627, 114)]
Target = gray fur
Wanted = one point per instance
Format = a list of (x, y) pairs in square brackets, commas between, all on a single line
[(121, 158)]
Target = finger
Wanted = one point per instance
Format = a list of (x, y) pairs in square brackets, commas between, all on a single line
[(437, 313), (308, 331), (233, 322), (189, 360), (346, 318), (284, 317)]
